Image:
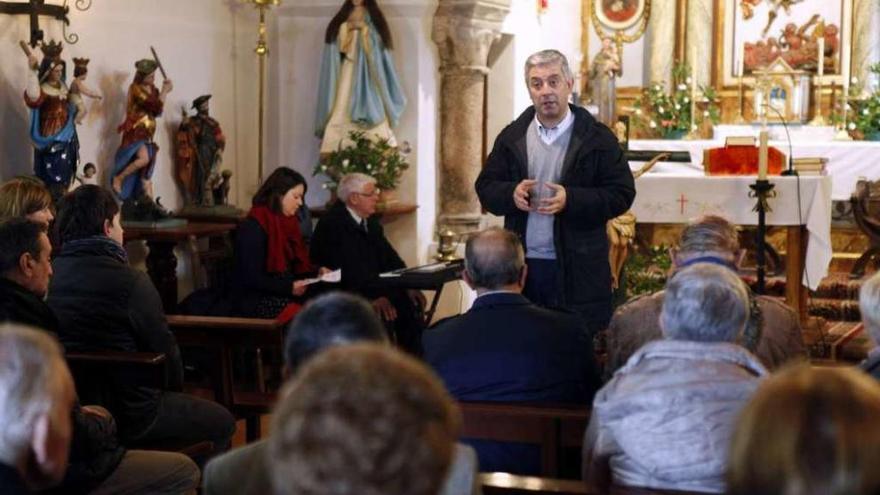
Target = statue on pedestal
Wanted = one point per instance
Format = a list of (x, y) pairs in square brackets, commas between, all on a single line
[(52, 129), (136, 156), (358, 89), (603, 73), (200, 145)]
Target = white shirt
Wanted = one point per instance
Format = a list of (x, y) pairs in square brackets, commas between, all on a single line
[(357, 218), (550, 134)]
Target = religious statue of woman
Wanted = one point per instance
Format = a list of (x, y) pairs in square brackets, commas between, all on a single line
[(136, 156), (52, 129), (603, 72), (358, 89)]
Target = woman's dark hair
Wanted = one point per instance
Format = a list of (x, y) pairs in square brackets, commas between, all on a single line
[(283, 179), (376, 18), (82, 212)]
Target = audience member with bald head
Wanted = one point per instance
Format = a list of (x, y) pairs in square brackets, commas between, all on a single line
[(773, 332), (365, 419), (507, 349), (36, 396)]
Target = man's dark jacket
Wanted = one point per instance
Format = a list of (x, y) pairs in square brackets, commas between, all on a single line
[(339, 242), (94, 450), (599, 186), (104, 304), (11, 482), (506, 349)]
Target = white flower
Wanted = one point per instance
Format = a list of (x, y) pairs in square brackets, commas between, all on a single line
[(345, 162), (652, 124), (688, 80), (865, 112), (854, 80), (705, 113), (852, 126), (660, 109), (638, 111), (682, 87), (324, 186), (687, 99), (694, 127), (656, 87), (677, 106), (369, 167)]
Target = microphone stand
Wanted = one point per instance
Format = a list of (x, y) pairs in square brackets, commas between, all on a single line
[(762, 189)]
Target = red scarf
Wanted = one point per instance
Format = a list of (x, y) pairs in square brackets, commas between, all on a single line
[(286, 248)]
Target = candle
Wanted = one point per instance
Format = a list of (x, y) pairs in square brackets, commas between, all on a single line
[(762, 156), (740, 59), (820, 57)]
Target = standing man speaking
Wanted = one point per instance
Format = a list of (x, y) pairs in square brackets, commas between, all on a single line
[(557, 175)]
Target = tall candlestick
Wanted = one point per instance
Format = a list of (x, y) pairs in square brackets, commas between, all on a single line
[(693, 89), (740, 60), (762, 156)]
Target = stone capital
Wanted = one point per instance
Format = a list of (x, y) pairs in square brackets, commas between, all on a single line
[(464, 31)]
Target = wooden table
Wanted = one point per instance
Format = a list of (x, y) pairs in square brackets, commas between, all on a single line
[(161, 261)]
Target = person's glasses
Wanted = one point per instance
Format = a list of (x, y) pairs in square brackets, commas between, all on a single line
[(376, 192)]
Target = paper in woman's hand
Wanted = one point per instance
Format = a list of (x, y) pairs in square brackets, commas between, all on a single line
[(333, 277)]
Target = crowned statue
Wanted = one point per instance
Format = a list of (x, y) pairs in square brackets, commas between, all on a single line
[(53, 113)]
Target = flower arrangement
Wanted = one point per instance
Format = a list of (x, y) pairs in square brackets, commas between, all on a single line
[(669, 115), (864, 116), (378, 159)]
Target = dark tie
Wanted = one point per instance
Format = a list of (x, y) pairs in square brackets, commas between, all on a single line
[(364, 225)]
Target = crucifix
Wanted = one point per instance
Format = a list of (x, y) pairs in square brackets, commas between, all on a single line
[(36, 8), (682, 201)]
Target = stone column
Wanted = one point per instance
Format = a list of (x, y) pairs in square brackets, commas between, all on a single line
[(464, 31), (660, 38)]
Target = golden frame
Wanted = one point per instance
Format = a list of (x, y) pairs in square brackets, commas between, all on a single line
[(723, 50)]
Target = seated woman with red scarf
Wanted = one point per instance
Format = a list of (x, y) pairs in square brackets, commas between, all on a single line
[(271, 257)]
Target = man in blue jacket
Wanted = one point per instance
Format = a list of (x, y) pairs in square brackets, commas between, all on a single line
[(507, 349)]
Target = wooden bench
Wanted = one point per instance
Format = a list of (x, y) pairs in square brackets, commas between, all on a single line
[(512, 484), (552, 428), (146, 369), (221, 336)]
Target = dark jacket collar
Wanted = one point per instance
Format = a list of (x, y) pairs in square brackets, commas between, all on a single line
[(11, 482), (583, 132), (500, 299), (340, 210), (20, 305)]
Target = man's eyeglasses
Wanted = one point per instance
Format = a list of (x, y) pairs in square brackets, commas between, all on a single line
[(376, 192)]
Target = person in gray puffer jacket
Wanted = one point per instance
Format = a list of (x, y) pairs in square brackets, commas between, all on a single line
[(665, 418)]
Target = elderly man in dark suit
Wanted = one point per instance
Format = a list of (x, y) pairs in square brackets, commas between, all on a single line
[(350, 237), (507, 349)]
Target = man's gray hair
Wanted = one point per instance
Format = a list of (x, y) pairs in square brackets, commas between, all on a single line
[(30, 361), (869, 306), (548, 57), (705, 303), (708, 234), (494, 258), (351, 183)]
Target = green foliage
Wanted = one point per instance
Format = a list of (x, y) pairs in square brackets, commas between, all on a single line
[(669, 114), (645, 273), (377, 159), (864, 114)]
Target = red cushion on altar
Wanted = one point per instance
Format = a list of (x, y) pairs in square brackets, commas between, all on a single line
[(740, 160)]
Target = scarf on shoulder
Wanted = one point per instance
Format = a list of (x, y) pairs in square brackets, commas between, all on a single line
[(96, 245), (286, 247)]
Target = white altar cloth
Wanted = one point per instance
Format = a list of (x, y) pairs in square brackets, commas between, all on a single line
[(676, 198), (847, 160)]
